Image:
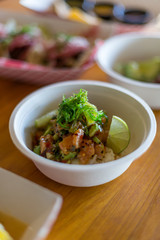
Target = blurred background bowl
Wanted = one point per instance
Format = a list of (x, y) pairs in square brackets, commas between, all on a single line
[(126, 47), (112, 99)]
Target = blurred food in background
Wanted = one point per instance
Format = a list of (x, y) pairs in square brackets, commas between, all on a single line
[(94, 12), (37, 45), (40, 49)]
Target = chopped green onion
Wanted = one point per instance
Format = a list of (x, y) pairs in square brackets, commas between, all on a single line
[(93, 129), (70, 155), (96, 140), (37, 150), (43, 121)]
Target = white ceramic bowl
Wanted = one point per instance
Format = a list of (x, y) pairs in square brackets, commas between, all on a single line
[(131, 46), (111, 98)]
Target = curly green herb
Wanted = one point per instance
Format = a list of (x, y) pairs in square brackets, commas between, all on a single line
[(77, 108)]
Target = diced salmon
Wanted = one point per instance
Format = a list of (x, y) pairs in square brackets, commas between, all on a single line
[(100, 150), (72, 142), (66, 144), (87, 151), (46, 143), (77, 138), (102, 136)]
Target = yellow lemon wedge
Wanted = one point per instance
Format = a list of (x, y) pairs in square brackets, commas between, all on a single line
[(80, 16), (4, 235), (64, 11)]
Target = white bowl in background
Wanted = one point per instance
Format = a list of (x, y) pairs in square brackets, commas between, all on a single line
[(28, 203), (126, 47), (111, 98)]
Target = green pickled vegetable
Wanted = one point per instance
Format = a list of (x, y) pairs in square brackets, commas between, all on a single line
[(43, 121), (96, 140), (93, 129), (146, 71), (70, 155)]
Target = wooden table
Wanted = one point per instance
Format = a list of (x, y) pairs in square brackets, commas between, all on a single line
[(126, 208)]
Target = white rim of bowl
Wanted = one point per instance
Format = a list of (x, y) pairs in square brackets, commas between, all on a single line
[(68, 167), (110, 71)]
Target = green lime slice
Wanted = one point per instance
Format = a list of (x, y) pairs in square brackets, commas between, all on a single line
[(119, 135)]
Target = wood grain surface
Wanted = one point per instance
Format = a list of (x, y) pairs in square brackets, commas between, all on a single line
[(126, 208)]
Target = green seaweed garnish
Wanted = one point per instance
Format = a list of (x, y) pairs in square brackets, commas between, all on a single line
[(77, 108)]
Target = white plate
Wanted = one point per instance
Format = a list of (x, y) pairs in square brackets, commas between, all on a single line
[(30, 203)]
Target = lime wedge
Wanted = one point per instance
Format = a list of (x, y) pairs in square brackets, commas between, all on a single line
[(119, 135)]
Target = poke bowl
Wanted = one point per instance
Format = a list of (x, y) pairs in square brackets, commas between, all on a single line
[(139, 54), (114, 100)]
